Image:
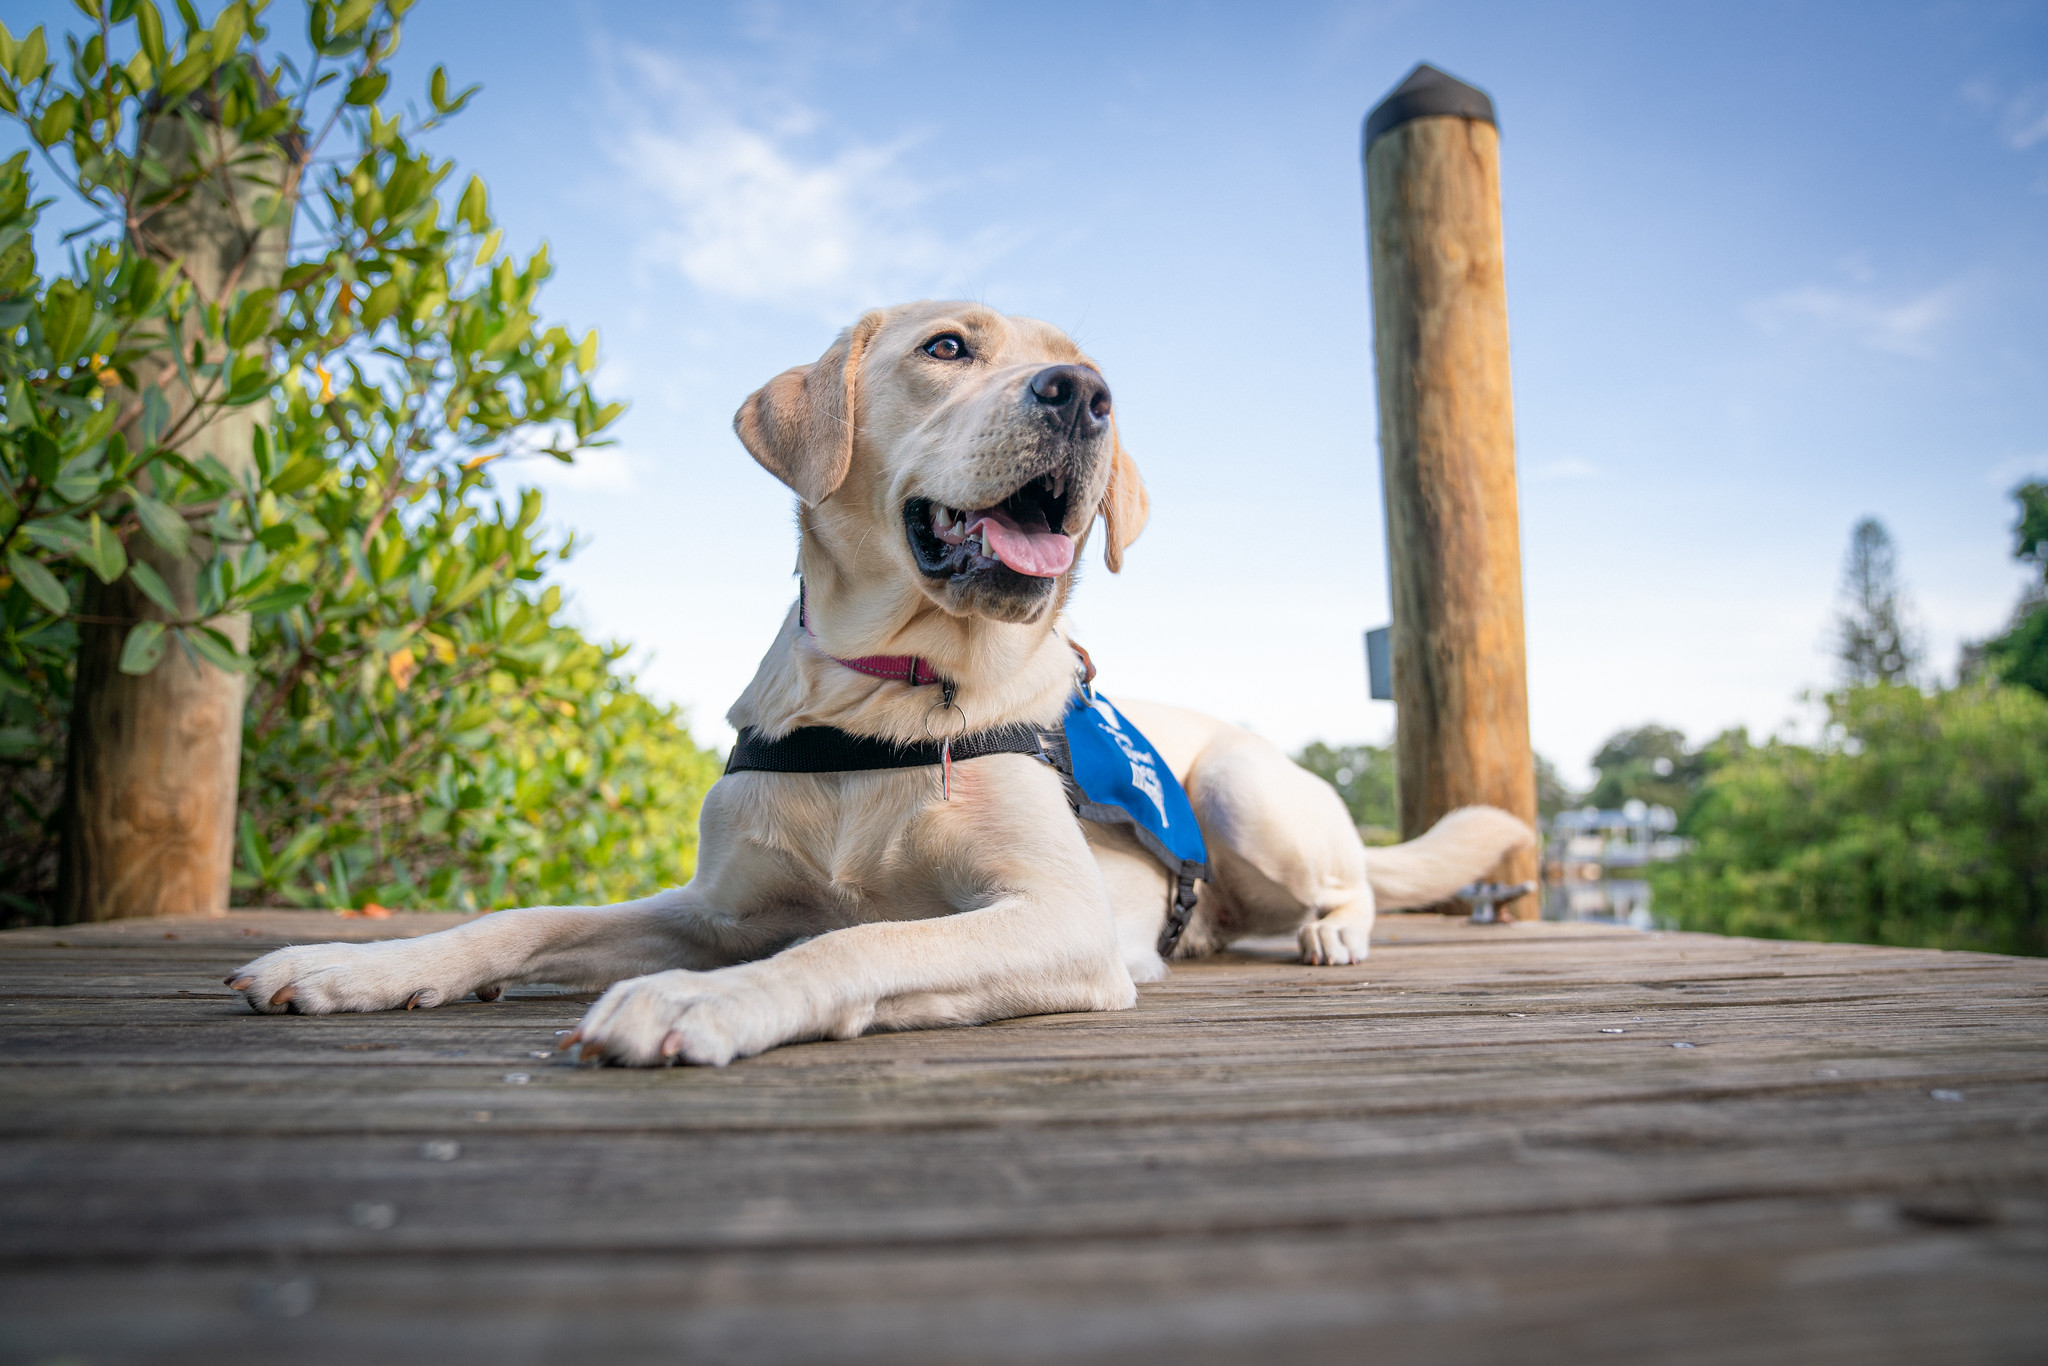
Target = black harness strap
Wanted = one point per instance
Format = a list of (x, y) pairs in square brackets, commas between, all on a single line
[(827, 749)]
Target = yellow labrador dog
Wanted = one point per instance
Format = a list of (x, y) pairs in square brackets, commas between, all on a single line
[(949, 463)]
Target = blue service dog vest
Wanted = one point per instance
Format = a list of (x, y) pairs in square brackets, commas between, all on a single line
[(1115, 777)]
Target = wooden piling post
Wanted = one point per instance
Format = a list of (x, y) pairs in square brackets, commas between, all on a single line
[(154, 761), (1447, 452)]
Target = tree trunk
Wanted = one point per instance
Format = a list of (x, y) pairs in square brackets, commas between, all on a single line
[(153, 761), (1447, 451)]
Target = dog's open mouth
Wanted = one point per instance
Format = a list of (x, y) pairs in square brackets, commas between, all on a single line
[(1022, 533)]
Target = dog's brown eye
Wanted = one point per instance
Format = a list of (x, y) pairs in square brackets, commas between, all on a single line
[(948, 347)]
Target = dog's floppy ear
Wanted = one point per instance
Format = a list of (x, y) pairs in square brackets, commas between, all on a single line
[(799, 425), (1124, 504)]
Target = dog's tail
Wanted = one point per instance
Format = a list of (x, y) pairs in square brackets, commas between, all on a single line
[(1447, 856)]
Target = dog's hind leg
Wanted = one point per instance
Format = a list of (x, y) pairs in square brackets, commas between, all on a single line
[(1284, 857)]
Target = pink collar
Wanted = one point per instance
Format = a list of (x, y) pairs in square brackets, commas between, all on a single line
[(911, 669)]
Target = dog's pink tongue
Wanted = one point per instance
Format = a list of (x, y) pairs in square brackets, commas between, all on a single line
[(1041, 554)]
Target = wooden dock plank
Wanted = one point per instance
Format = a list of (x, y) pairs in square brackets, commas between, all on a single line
[(1441, 1154)]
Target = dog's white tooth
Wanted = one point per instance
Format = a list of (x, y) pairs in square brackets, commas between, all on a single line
[(986, 553)]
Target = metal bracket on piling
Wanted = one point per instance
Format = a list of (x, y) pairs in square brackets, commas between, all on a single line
[(1485, 898)]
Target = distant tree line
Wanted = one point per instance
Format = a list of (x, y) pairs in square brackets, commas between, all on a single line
[(1918, 816)]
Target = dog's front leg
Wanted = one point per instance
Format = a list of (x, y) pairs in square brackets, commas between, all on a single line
[(1025, 954), (586, 946)]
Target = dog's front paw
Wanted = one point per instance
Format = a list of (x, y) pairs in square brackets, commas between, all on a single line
[(1334, 944), (708, 1018), (326, 979)]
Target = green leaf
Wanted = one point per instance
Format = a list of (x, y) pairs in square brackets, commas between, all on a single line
[(475, 584), (30, 57), (103, 552), (216, 649), (67, 317), (279, 599), (145, 285), (65, 535), (299, 849), (45, 457), (80, 479), (299, 474), (143, 648), (163, 525), (278, 537), (251, 318), (153, 587), (366, 89), (473, 209), (253, 852), (268, 123), (149, 32), (56, 120), (228, 30), (352, 15), (21, 409), (41, 584), (185, 75), (156, 417), (381, 304)]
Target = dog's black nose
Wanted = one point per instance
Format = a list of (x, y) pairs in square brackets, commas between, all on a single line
[(1077, 393)]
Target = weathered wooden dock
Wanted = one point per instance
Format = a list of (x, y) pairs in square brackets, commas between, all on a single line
[(1526, 1144)]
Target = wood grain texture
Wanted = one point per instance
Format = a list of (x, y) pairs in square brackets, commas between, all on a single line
[(1442, 1155), (153, 761), (1447, 453)]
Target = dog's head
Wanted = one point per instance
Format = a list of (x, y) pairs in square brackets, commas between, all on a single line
[(969, 451)]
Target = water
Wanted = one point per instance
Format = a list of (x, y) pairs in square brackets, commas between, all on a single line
[(1607, 901)]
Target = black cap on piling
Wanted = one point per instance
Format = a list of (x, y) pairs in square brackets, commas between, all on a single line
[(1427, 91)]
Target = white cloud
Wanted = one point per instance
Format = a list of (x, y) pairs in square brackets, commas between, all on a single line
[(757, 200), (1568, 468), (607, 469), (525, 463), (2015, 469), (1898, 326), (2022, 117)]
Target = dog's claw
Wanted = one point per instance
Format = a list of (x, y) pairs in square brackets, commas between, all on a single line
[(671, 1044), (590, 1050), (284, 995), (489, 993), (414, 999), (570, 1041), (239, 983)]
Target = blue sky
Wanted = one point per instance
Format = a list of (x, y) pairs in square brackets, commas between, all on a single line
[(1771, 268)]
